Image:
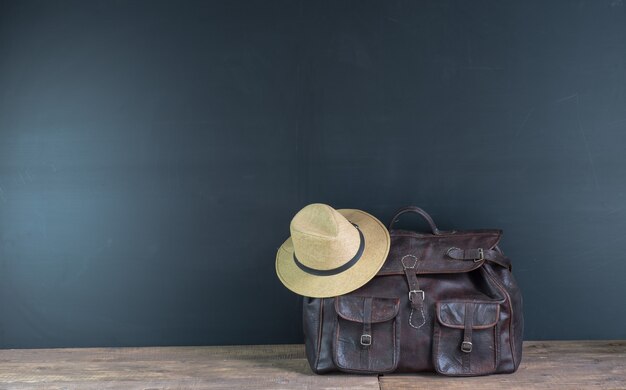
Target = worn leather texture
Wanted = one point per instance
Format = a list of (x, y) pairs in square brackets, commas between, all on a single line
[(444, 301)]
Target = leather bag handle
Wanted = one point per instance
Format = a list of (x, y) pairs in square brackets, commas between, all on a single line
[(417, 210)]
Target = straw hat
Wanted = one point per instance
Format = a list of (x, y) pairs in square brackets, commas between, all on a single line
[(331, 252)]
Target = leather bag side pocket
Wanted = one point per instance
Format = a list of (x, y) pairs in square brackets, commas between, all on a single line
[(466, 338), (367, 335)]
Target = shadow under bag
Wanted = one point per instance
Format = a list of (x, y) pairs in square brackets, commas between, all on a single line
[(444, 302)]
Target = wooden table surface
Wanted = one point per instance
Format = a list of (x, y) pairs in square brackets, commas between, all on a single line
[(554, 364)]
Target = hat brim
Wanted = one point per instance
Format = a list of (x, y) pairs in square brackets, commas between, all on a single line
[(375, 253)]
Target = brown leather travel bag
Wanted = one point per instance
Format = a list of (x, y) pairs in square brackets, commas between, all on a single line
[(444, 301)]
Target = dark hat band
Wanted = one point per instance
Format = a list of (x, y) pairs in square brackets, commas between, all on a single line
[(338, 270)]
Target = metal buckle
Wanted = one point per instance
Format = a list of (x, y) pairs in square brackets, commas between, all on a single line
[(366, 339), (466, 346), (481, 253), (415, 292)]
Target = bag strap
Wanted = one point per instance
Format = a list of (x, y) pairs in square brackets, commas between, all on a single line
[(417, 319), (416, 210), (466, 345), (479, 254), (366, 336)]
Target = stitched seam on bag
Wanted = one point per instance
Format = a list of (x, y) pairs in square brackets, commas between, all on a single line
[(319, 334), (336, 343), (496, 346), (437, 343), (411, 318), (414, 264), (511, 326), (393, 355), (415, 267)]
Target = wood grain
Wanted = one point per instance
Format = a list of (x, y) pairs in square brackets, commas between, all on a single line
[(554, 364), (545, 365), (232, 367)]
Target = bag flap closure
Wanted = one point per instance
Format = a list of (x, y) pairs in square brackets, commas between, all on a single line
[(351, 308), (429, 252), (452, 314)]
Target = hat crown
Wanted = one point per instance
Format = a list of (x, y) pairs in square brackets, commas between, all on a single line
[(323, 239)]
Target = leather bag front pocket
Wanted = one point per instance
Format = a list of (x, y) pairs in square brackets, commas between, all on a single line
[(466, 338), (367, 336)]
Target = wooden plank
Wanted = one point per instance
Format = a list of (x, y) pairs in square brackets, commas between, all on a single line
[(554, 364), (233, 367), (545, 365)]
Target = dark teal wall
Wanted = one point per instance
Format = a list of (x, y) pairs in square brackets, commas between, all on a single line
[(152, 154)]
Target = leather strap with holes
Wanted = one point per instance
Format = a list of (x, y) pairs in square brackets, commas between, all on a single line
[(478, 254), (416, 296), (366, 335), (466, 344)]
